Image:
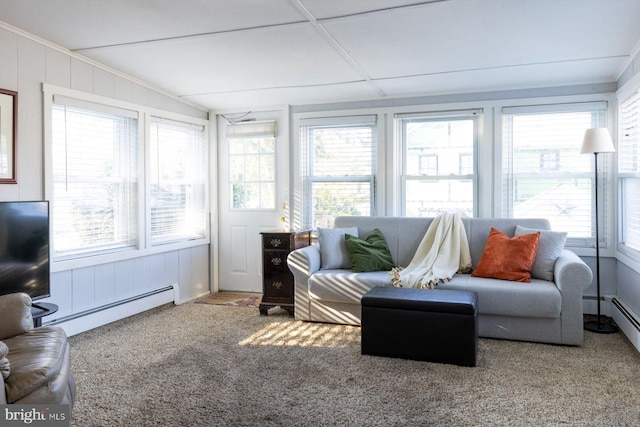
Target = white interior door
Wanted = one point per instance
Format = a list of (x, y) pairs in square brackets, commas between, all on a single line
[(253, 184)]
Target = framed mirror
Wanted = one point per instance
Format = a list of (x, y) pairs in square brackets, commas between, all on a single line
[(8, 125)]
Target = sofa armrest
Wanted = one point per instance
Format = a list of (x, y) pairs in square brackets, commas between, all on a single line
[(303, 263), (571, 274), (15, 315), (572, 277)]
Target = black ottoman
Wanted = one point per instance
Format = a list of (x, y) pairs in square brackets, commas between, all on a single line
[(434, 325)]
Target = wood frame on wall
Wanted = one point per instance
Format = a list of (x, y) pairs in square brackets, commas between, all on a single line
[(8, 126)]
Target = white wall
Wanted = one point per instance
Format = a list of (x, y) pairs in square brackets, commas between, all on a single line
[(26, 63)]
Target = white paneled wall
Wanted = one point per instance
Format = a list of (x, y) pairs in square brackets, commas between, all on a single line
[(88, 288), (27, 62)]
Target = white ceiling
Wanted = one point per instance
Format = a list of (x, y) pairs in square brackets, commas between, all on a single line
[(226, 54)]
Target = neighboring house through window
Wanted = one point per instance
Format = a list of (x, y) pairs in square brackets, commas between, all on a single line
[(339, 164), (438, 167), (544, 174)]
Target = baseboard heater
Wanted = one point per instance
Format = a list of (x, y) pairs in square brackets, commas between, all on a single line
[(628, 322), (156, 295)]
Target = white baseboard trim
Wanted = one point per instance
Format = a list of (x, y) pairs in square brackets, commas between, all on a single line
[(627, 321), (83, 322)]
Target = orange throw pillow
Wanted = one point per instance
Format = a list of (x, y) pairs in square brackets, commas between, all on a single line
[(508, 259)]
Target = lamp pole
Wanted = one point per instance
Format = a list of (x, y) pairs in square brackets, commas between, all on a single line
[(598, 326)]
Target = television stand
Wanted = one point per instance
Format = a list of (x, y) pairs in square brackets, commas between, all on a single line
[(39, 310)]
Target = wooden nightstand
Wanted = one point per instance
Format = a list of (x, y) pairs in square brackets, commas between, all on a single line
[(277, 280)]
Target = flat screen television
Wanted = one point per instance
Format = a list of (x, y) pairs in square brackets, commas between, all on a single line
[(24, 248)]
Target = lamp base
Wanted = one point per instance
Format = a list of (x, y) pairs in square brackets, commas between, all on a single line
[(600, 327)]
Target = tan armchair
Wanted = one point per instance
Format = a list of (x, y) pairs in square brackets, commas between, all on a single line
[(34, 362)]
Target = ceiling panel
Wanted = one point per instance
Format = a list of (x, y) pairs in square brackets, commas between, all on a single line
[(345, 92), (77, 24), (466, 35), (520, 77), (223, 52), (285, 56), (323, 9)]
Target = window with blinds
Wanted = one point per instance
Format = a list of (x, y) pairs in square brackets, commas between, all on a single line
[(544, 174), (339, 164), (252, 165), (438, 171), (95, 178), (629, 175), (177, 180)]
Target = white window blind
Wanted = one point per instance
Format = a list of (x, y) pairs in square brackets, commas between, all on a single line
[(339, 163), (438, 172), (544, 174), (252, 165), (178, 181), (629, 175), (95, 180)]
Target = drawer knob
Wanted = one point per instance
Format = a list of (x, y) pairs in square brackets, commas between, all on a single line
[(277, 285), (276, 261), (276, 242)]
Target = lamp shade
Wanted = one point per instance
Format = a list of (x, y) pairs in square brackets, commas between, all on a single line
[(597, 140)]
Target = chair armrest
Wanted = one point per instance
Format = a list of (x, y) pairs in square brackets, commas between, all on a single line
[(15, 315), (304, 262)]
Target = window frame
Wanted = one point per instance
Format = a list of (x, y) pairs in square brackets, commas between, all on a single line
[(476, 115), (629, 94), (302, 201), (144, 246), (580, 245)]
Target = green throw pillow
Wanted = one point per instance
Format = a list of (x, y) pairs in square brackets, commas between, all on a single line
[(371, 254)]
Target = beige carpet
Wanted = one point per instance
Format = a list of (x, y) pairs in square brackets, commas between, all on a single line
[(215, 365)]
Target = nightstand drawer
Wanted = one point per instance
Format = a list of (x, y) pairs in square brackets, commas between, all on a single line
[(275, 261), (278, 285), (276, 241)]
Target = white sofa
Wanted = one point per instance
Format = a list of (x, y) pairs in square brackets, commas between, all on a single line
[(539, 311)]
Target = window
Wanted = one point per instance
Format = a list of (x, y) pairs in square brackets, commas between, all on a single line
[(629, 174), (122, 178), (438, 172), (252, 165), (339, 163), (178, 180), (95, 178), (544, 174)]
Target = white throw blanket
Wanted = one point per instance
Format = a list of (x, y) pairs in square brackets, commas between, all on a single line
[(444, 250)]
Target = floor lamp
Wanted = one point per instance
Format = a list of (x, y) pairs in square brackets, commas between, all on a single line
[(596, 141)]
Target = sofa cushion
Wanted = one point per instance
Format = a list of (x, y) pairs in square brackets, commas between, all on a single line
[(370, 254), (508, 258), (344, 285), (333, 249), (36, 358), (539, 298), (549, 248)]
